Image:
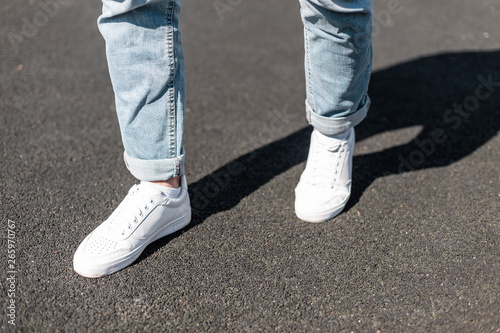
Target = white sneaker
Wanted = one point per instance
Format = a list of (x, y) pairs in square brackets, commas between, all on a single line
[(145, 215), (325, 185)]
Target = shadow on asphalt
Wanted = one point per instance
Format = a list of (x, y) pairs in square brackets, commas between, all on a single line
[(453, 97)]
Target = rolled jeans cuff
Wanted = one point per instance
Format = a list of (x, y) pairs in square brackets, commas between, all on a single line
[(336, 125), (155, 170)]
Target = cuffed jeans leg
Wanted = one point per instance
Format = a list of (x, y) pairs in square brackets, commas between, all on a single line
[(338, 59), (146, 65)]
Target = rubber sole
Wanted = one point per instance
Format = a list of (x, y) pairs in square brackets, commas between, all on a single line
[(125, 261), (319, 217)]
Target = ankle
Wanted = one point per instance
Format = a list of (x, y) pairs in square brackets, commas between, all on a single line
[(172, 182)]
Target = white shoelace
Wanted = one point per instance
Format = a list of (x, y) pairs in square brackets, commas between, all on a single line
[(133, 209), (325, 164)]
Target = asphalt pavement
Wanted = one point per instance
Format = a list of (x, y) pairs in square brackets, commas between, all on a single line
[(416, 250)]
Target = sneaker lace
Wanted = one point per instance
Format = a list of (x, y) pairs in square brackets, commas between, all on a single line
[(130, 211), (326, 163)]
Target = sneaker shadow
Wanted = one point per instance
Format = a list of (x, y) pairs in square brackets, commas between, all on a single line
[(453, 97)]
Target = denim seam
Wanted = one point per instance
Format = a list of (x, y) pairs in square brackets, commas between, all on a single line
[(177, 166), (309, 74), (171, 84)]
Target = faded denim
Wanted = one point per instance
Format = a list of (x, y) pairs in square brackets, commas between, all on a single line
[(146, 65)]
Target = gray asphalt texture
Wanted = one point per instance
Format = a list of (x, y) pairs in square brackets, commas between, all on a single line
[(416, 250)]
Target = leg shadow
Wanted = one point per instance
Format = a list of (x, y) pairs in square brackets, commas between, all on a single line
[(454, 97)]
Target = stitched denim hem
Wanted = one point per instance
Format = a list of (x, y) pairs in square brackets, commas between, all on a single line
[(333, 126), (155, 170)]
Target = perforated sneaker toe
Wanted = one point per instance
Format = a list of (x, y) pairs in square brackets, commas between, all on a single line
[(145, 215)]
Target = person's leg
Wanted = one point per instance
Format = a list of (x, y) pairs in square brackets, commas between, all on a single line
[(146, 65), (338, 55)]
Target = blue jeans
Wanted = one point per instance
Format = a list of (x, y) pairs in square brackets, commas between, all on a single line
[(146, 65)]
